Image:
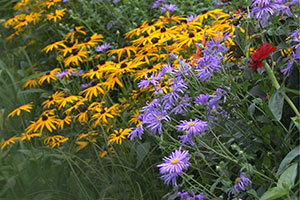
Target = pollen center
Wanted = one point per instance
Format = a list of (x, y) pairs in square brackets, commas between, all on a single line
[(191, 124), (174, 161), (158, 118)]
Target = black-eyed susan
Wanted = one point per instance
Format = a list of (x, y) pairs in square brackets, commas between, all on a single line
[(81, 145), (46, 121), (49, 3), (17, 111), (101, 114), (62, 101), (111, 81), (98, 70), (76, 105), (102, 154), (149, 69), (9, 141), (29, 136), (150, 26), (144, 55), (76, 57), (126, 48), (134, 118), (52, 99), (170, 18), (118, 136), (20, 4), (49, 76), (91, 42), (94, 90), (55, 140), (125, 66), (188, 38), (58, 14), (65, 119), (82, 117), (77, 29), (54, 45), (69, 47)]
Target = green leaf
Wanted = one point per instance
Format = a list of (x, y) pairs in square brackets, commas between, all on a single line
[(274, 193), (296, 121), (288, 158), (287, 178), (141, 150), (276, 103)]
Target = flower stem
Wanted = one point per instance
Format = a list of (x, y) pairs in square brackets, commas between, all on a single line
[(277, 86)]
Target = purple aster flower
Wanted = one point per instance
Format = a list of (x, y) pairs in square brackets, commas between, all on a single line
[(207, 65), (111, 24), (115, 1), (170, 177), (295, 35), (65, 1), (154, 119), (62, 73), (196, 126), (101, 48), (84, 85), (286, 71), (186, 196), (241, 184), (187, 139), (262, 9), (201, 99), (158, 3), (175, 163), (191, 18), (137, 132), (182, 106), (153, 79), (168, 7)]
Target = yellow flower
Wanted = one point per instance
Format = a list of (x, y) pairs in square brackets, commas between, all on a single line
[(102, 154), (111, 81), (76, 105), (52, 99), (9, 141), (62, 101), (29, 136), (93, 90), (48, 76), (54, 45), (64, 119), (101, 115), (17, 111), (58, 14), (118, 135), (21, 4), (49, 3), (55, 140), (134, 118), (77, 29), (126, 48), (82, 144), (91, 42), (75, 57), (82, 117), (46, 121), (30, 83)]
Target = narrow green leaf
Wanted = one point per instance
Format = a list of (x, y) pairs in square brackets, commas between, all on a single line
[(296, 121), (276, 103), (292, 91), (141, 150), (288, 158)]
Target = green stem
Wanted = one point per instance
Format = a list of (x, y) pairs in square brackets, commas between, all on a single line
[(277, 86)]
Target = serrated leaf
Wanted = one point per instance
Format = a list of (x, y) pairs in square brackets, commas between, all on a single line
[(276, 103), (288, 158), (287, 178)]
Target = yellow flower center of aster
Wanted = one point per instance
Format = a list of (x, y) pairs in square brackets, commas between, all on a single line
[(191, 124), (159, 116), (237, 180), (174, 161)]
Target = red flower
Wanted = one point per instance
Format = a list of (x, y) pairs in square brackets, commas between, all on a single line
[(261, 53)]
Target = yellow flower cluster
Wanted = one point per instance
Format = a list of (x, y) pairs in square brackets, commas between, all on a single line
[(34, 12)]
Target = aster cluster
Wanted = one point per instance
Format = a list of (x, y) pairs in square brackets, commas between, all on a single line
[(263, 9), (163, 6), (186, 196)]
